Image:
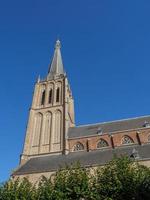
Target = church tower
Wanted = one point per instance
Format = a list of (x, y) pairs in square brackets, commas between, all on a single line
[(51, 113)]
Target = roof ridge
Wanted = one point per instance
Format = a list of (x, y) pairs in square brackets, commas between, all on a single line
[(132, 118)]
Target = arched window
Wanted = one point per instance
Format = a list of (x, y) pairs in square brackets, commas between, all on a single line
[(57, 95), (47, 124), (102, 143), (37, 125), (127, 140), (43, 98), (57, 127), (50, 97), (78, 147)]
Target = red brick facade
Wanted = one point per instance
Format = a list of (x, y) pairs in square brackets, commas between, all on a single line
[(138, 136)]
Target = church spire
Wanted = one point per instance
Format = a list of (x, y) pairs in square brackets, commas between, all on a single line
[(56, 66)]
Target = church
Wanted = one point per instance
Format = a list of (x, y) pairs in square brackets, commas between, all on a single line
[(53, 140)]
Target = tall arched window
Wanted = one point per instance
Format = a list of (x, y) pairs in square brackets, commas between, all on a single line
[(37, 129), (43, 98), (50, 97), (127, 140), (78, 147), (57, 125), (102, 143), (57, 95), (47, 128)]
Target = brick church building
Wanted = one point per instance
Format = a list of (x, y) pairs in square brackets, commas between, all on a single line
[(52, 138)]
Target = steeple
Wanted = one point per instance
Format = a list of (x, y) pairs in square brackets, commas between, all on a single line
[(51, 113), (56, 67)]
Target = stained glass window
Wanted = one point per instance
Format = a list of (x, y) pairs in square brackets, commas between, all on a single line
[(127, 140), (102, 143), (78, 147)]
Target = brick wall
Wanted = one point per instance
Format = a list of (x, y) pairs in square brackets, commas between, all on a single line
[(138, 136)]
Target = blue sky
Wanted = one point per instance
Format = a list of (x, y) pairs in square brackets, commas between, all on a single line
[(106, 53)]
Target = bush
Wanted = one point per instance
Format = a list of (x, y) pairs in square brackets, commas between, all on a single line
[(17, 190), (120, 179)]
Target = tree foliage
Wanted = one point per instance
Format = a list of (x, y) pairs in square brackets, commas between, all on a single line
[(120, 179), (17, 190)]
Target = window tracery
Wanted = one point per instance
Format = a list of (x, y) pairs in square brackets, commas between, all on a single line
[(127, 140), (102, 143), (78, 147)]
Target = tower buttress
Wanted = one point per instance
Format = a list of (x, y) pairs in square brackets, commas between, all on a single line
[(51, 113)]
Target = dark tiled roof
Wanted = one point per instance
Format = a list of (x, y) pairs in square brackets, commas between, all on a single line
[(99, 157), (108, 127)]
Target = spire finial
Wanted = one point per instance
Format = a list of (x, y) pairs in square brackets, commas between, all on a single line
[(38, 80), (57, 45)]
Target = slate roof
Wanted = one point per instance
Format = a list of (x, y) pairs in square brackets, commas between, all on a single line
[(108, 127), (98, 157)]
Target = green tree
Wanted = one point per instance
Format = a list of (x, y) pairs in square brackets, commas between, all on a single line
[(45, 189), (72, 183), (143, 183), (122, 179), (17, 190)]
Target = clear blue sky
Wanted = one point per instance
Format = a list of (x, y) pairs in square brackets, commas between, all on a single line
[(106, 53)]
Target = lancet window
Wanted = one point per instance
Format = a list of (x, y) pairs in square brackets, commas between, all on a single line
[(50, 97), (57, 94), (43, 98), (37, 129)]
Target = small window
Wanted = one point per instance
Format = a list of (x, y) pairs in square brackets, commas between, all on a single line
[(135, 154), (50, 97), (78, 147), (57, 95), (102, 143), (127, 140), (99, 131), (43, 98)]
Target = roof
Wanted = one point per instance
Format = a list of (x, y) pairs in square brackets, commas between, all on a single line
[(108, 127), (87, 159), (56, 67)]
